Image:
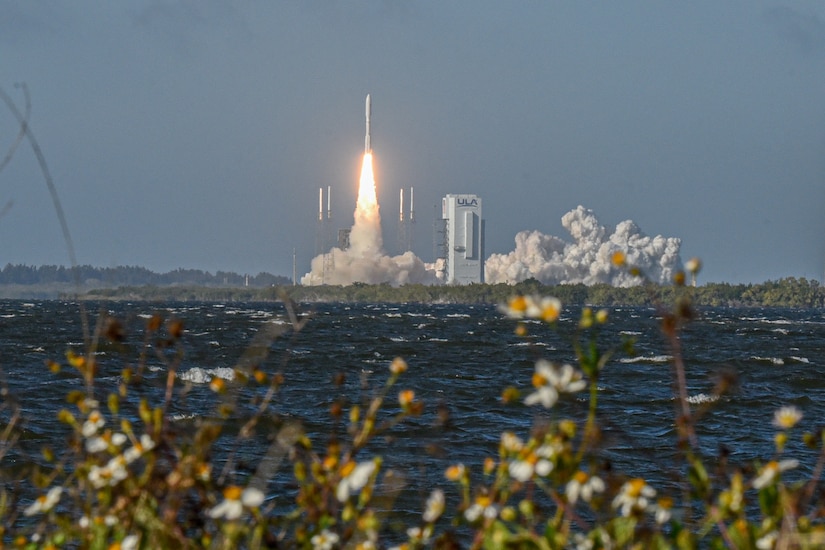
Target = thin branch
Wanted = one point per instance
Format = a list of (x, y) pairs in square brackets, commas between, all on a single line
[(58, 207)]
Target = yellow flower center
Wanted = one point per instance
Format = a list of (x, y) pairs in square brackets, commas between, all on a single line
[(347, 469), (518, 303), (454, 472), (635, 487), (330, 462), (233, 492), (406, 397), (539, 380), (398, 366), (550, 313), (580, 477)]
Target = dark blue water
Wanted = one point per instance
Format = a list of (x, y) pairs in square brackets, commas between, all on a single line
[(460, 359)]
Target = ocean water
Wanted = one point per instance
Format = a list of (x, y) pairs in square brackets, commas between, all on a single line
[(460, 359)]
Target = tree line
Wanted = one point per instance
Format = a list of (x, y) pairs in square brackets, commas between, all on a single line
[(18, 274), (788, 292)]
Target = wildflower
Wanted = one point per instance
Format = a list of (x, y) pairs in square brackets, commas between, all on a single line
[(203, 471), (398, 366), (586, 320), (732, 498), (455, 472), (420, 536), (584, 486), (767, 541), (618, 258), (633, 497), (133, 453), (44, 503), (510, 442), (75, 360), (93, 423), (129, 542), (545, 308), (234, 501), (405, 398), (482, 507), (217, 385), (522, 470), (434, 507), (325, 540), (88, 404), (550, 380), (355, 480), (99, 444), (663, 510), (548, 309), (546, 393), (550, 450), (582, 542), (771, 470), (601, 316), (515, 308), (598, 538), (693, 265), (786, 418), (113, 473), (96, 445)]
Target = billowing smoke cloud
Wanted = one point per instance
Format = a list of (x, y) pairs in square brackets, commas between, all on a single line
[(588, 259), (364, 261)]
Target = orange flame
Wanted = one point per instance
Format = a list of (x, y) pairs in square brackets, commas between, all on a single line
[(366, 191)]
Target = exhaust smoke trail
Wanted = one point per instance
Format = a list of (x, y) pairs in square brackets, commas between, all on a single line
[(364, 261), (588, 259)]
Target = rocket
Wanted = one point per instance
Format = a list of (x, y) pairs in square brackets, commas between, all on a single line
[(367, 147)]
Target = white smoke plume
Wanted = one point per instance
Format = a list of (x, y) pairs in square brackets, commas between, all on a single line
[(588, 259), (364, 261)]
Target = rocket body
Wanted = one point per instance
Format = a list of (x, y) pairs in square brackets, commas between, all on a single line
[(367, 146)]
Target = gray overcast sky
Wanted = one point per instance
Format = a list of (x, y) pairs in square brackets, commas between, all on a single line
[(196, 134)]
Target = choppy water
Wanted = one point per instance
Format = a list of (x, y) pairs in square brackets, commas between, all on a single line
[(460, 358)]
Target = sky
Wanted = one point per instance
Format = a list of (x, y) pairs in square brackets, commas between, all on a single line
[(196, 133)]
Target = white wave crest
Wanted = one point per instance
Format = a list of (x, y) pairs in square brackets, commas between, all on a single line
[(772, 360), (700, 398), (197, 375), (647, 359)]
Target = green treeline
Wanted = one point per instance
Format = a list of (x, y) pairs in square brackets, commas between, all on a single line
[(788, 292), (17, 274)]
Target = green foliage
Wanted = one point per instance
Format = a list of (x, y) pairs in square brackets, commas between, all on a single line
[(129, 276), (790, 292)]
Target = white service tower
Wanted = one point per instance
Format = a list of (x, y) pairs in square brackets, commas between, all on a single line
[(465, 239)]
